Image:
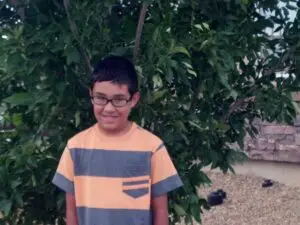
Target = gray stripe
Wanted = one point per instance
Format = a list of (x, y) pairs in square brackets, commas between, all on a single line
[(136, 193), (165, 186), (92, 216), (110, 163), (129, 183), (63, 183), (160, 147)]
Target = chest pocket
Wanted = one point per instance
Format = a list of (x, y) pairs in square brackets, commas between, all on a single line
[(136, 174), (136, 189)]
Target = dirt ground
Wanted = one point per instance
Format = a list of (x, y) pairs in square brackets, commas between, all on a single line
[(248, 203)]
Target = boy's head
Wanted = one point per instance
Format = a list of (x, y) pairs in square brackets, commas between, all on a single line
[(114, 78)]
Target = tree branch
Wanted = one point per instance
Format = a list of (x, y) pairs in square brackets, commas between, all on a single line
[(239, 103), (282, 61), (236, 105), (75, 33), (139, 32), (196, 94)]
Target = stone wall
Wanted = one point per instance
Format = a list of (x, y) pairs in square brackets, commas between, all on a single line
[(276, 142)]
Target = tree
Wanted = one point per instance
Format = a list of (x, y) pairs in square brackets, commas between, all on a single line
[(207, 69)]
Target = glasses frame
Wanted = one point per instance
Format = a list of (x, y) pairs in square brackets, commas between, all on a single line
[(111, 101)]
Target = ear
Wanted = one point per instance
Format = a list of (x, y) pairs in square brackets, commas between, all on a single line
[(91, 94), (135, 99)]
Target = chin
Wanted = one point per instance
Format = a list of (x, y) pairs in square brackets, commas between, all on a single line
[(112, 127), (109, 126)]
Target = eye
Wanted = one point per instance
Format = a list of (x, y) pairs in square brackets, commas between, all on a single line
[(100, 97), (119, 101)]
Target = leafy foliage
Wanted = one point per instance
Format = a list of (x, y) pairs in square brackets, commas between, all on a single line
[(207, 69)]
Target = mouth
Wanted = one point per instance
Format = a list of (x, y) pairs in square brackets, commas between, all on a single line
[(108, 118)]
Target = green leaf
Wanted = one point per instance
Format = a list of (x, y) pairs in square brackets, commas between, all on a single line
[(158, 95), (201, 26), (77, 118), (206, 25), (19, 99), (233, 94), (17, 119), (15, 183), (33, 179), (180, 125), (15, 61), (157, 81), (195, 211), (192, 72), (194, 199), (73, 55), (179, 210), (189, 66), (180, 49), (5, 206), (204, 44), (198, 26), (224, 79), (196, 125)]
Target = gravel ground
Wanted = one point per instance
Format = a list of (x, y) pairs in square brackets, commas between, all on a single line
[(248, 203)]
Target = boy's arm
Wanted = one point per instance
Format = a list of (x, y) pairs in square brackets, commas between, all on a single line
[(64, 180), (160, 210), (164, 178), (71, 210)]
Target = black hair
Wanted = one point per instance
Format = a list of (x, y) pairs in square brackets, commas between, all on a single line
[(118, 70)]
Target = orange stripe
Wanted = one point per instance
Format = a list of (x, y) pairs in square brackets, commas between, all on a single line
[(137, 141), (65, 166), (161, 166), (132, 179), (132, 187), (101, 192)]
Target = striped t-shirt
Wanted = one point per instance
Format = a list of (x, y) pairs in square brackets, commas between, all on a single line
[(114, 179)]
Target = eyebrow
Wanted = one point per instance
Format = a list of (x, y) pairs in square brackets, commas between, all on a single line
[(118, 95), (99, 93)]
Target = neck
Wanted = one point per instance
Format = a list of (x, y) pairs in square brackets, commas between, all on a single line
[(119, 131)]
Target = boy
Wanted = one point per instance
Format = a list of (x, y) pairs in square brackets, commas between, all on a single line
[(115, 172)]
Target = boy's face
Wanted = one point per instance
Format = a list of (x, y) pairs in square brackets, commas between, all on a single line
[(110, 117)]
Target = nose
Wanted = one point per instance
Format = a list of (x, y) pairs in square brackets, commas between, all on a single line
[(109, 107)]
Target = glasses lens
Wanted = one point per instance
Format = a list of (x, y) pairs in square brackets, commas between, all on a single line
[(119, 102), (100, 100)]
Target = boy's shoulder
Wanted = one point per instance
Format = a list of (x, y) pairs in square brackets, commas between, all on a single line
[(149, 137), (81, 136), (141, 136)]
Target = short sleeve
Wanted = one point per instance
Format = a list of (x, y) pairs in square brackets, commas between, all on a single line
[(64, 176), (164, 177)]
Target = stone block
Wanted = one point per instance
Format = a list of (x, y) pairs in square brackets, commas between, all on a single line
[(287, 140), (261, 155), (287, 155), (297, 124), (250, 144), (296, 96), (279, 129), (275, 136), (266, 144), (286, 148), (297, 139)]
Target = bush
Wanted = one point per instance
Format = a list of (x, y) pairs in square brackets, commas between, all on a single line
[(199, 94)]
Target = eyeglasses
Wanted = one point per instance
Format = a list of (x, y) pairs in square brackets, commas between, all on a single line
[(116, 102)]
